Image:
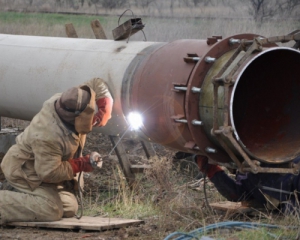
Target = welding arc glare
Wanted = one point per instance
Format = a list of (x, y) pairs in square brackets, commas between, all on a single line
[(135, 120)]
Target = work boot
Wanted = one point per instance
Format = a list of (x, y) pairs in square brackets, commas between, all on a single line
[(6, 186)]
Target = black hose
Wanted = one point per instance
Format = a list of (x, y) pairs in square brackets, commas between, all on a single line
[(80, 197)]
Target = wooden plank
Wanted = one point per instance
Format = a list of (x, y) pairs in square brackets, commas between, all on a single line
[(85, 223), (230, 206), (148, 149), (139, 168), (123, 160), (98, 29), (70, 30)]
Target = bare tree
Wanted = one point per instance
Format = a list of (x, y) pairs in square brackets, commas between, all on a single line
[(264, 9), (192, 3), (203, 2), (186, 3), (290, 5), (172, 5), (111, 4), (107, 4), (67, 3), (144, 3), (9, 3)]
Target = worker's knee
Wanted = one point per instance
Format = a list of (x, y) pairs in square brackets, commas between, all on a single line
[(52, 212), (70, 205), (70, 211)]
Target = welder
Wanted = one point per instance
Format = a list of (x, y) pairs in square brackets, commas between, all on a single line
[(273, 191), (41, 168)]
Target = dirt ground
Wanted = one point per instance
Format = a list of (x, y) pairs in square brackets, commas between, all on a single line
[(97, 183), (101, 144)]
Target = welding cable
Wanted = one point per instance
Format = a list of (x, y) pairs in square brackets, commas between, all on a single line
[(204, 190), (194, 234), (205, 195), (80, 197)]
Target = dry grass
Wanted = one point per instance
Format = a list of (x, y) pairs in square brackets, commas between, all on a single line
[(167, 204), (13, 123)]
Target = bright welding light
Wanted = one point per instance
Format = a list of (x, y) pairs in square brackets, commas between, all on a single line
[(135, 120)]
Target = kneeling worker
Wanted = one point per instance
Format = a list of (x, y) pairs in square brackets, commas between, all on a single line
[(41, 166)]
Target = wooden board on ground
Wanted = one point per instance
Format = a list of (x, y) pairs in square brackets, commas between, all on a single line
[(85, 223), (230, 206)]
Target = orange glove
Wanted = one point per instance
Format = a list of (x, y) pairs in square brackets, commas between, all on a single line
[(104, 111), (81, 164), (205, 167)]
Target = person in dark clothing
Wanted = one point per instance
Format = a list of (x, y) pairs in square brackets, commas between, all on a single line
[(272, 190)]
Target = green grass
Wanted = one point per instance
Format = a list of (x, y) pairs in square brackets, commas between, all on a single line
[(49, 19), (265, 234), (52, 24), (123, 210)]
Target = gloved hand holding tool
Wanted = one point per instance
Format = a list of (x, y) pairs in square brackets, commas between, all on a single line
[(96, 160), (86, 163)]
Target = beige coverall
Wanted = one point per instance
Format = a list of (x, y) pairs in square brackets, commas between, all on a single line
[(37, 166)]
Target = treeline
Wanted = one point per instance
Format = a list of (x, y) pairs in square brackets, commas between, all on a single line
[(259, 10)]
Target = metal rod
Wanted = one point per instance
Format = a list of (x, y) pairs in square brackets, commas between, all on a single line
[(181, 120), (210, 150), (118, 142), (196, 90), (197, 122), (234, 41), (210, 59), (180, 88)]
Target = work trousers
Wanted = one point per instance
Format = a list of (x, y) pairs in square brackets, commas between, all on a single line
[(48, 202)]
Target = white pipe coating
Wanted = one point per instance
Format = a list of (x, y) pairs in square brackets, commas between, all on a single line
[(33, 68)]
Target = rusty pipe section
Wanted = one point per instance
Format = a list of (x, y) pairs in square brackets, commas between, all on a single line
[(223, 98), (173, 88)]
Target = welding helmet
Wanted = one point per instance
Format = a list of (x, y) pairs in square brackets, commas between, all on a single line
[(76, 106)]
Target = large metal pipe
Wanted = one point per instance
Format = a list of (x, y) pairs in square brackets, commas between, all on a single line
[(191, 93)]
